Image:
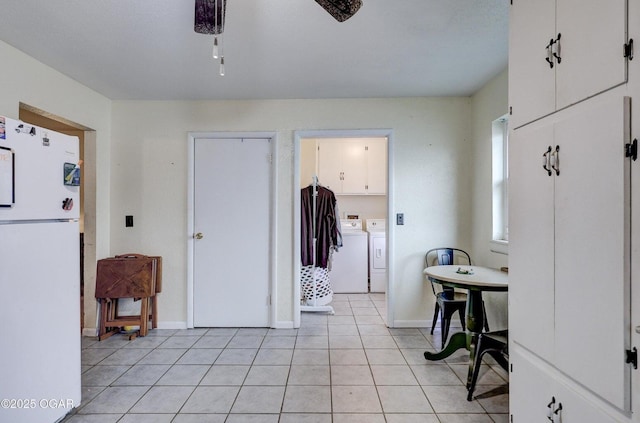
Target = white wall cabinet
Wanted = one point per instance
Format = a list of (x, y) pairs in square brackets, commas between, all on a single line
[(563, 51), (377, 166), (353, 166), (570, 244)]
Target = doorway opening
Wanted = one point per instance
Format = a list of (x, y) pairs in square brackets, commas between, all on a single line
[(355, 165)]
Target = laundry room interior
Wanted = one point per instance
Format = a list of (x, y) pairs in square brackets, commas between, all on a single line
[(356, 170)]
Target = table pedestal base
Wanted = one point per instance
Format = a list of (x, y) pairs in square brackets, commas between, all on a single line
[(457, 341), (468, 340)]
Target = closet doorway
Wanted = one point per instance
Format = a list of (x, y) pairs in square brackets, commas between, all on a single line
[(355, 165), (231, 242)]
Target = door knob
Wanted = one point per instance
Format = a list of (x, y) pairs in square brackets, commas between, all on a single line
[(199, 235)]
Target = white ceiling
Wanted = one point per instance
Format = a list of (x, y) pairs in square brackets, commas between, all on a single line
[(274, 49)]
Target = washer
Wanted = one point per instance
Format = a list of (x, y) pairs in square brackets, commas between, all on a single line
[(377, 229), (349, 265)]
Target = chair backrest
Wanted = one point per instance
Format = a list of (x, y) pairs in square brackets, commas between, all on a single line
[(444, 256)]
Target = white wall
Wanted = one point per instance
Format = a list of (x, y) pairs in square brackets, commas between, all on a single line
[(141, 169), (308, 153), (432, 173), (23, 79), (487, 105), (441, 170)]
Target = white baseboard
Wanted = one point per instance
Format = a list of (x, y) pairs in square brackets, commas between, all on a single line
[(172, 325), (283, 324), (411, 324), (89, 332), (161, 325)]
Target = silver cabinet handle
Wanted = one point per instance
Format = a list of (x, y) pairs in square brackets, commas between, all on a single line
[(549, 57), (555, 160), (558, 54), (546, 161)]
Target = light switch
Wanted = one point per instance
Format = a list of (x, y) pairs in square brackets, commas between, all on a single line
[(128, 221), (400, 219)]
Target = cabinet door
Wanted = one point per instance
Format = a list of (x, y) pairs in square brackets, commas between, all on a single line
[(593, 35), (635, 258), (377, 166), (578, 409), (531, 250), (531, 79), (330, 164), (532, 388), (592, 247), (354, 167)]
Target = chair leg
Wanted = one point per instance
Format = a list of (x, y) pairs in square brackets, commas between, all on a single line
[(497, 349), (476, 371), (486, 321), (435, 317)]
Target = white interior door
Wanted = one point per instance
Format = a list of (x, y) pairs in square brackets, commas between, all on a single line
[(232, 207)]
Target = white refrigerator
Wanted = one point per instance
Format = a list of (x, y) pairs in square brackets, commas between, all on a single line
[(39, 273)]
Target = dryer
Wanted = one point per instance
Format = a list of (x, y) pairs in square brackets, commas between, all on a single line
[(377, 229), (349, 264)]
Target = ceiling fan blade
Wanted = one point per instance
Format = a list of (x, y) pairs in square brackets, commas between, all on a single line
[(340, 9)]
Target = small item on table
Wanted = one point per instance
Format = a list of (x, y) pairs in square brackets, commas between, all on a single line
[(464, 271)]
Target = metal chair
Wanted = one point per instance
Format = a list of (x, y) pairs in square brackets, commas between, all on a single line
[(448, 301), (497, 345)]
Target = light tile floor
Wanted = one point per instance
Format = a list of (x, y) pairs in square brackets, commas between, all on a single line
[(342, 368)]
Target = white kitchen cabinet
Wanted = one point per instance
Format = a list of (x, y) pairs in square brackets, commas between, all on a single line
[(562, 52), (342, 165), (377, 166), (531, 239), (569, 247), (353, 166), (539, 396)]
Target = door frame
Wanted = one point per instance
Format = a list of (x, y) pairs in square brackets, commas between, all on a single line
[(191, 139), (342, 133)]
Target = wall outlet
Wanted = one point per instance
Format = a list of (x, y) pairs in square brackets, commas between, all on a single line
[(399, 218)]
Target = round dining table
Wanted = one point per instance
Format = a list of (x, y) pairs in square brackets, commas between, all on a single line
[(475, 279)]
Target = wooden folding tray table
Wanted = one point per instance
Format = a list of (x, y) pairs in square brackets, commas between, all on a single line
[(128, 276)]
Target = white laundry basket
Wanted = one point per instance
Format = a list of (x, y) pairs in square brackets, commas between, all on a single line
[(323, 294)]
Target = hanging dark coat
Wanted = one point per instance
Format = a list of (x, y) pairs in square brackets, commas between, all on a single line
[(327, 225)]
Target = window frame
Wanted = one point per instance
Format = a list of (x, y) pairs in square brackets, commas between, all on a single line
[(500, 184)]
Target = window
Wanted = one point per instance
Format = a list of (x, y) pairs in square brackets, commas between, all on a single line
[(500, 179)]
